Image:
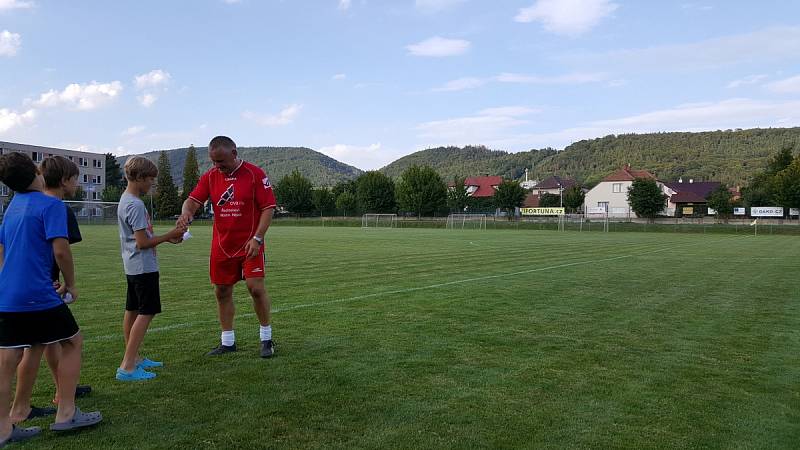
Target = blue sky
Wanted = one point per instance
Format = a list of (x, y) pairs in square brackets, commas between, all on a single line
[(368, 81)]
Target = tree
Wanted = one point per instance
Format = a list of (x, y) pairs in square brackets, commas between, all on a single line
[(509, 195), (191, 173), (293, 192), (457, 196), (323, 200), (573, 198), (548, 200), (787, 185), (345, 202), (780, 161), (720, 201), (344, 186), (375, 193), (114, 175), (111, 193), (167, 200), (421, 190), (646, 198)]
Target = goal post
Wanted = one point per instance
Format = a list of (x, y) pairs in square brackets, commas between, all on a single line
[(379, 221), (466, 222), (94, 212)]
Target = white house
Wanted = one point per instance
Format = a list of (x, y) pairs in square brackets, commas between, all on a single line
[(612, 192)]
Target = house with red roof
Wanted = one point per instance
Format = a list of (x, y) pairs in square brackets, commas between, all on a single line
[(612, 192), (552, 185), (481, 187)]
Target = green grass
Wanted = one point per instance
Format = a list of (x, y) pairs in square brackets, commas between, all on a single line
[(425, 338)]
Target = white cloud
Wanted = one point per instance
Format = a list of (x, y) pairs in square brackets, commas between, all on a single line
[(438, 47), (434, 6), (356, 155), (9, 43), (82, 96), (777, 44), (487, 125), (570, 78), (12, 119), (751, 79), (567, 17), (344, 5), (152, 79), (14, 4), (339, 76), (461, 84), (147, 100), (134, 130), (786, 86), (285, 117)]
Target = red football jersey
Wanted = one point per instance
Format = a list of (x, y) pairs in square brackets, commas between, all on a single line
[(238, 200)]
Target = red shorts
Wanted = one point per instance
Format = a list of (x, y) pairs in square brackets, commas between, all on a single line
[(227, 271)]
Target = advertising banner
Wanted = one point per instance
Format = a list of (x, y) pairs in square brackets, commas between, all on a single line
[(542, 211)]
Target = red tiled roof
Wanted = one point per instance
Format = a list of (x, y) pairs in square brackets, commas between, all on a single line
[(531, 201), (486, 185), (553, 182), (628, 174)]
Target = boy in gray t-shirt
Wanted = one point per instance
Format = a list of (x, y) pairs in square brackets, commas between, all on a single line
[(138, 245)]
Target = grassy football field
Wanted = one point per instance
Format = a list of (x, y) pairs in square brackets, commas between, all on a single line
[(421, 338)]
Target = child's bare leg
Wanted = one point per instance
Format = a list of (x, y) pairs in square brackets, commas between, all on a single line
[(9, 359), (127, 323), (69, 370), (134, 341), (27, 370), (52, 353)]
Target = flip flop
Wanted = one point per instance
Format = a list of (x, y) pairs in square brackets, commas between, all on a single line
[(148, 363), (79, 420), (137, 374), (40, 412), (20, 434)]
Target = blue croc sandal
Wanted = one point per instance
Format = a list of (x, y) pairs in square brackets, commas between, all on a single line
[(137, 374), (79, 420), (148, 363), (20, 434)]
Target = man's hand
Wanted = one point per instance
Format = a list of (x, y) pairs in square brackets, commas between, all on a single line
[(184, 220), (252, 248)]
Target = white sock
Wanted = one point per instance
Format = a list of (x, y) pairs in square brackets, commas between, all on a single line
[(265, 332), (228, 338)]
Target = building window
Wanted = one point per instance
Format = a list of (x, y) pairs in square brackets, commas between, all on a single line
[(85, 178), (94, 195), (70, 157), (36, 156), (603, 205), (616, 187), (3, 190), (97, 164)]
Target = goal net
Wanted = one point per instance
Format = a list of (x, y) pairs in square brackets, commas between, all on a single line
[(466, 222), (94, 212), (379, 221)]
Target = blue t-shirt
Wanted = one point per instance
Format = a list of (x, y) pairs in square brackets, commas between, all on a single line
[(31, 222)]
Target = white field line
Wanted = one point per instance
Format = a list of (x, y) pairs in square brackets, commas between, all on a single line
[(399, 291)]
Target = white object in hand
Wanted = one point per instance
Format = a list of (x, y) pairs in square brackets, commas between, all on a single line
[(68, 298), (187, 235)]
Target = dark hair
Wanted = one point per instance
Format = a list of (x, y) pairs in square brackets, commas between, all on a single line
[(56, 169), (17, 171), (222, 141)]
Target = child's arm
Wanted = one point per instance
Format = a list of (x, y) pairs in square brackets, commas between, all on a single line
[(144, 242), (63, 256)]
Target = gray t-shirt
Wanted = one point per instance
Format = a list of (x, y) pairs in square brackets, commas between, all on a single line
[(132, 216)]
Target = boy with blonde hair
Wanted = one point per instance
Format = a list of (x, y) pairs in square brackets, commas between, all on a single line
[(138, 243)]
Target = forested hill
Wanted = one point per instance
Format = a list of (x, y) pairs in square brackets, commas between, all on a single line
[(728, 156), (320, 169)]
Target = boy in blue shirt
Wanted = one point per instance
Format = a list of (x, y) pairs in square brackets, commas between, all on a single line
[(32, 312)]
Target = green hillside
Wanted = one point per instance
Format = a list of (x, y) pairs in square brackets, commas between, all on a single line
[(729, 156), (276, 161)]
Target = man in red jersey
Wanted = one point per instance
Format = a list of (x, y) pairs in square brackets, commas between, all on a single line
[(243, 203)]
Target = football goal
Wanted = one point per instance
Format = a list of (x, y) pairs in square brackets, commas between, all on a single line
[(379, 221), (466, 222), (94, 212)]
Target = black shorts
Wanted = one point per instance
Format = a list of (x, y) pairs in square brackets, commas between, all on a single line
[(24, 329), (143, 294)]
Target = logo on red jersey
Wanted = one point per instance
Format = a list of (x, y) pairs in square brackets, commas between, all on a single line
[(226, 196), (265, 180)]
